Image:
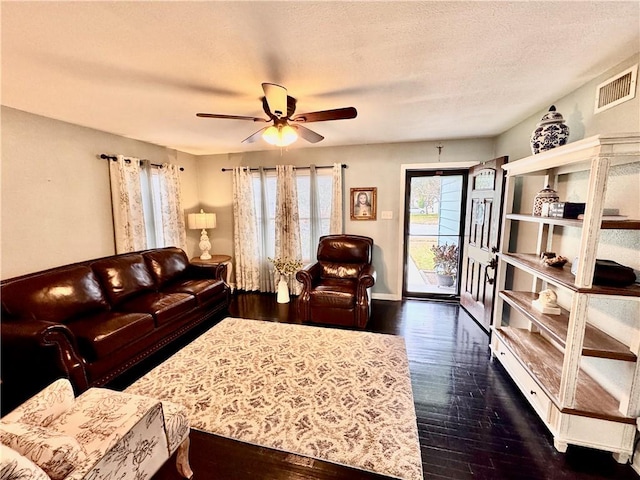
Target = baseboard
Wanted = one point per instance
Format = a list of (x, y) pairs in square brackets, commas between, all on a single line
[(386, 296)]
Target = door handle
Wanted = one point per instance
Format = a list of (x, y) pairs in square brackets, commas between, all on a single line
[(487, 278), (493, 263)]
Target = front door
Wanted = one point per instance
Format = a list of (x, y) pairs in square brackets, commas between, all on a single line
[(481, 238), (434, 216)]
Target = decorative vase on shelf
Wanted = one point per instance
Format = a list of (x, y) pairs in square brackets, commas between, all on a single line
[(551, 132), (283, 290), (546, 195)]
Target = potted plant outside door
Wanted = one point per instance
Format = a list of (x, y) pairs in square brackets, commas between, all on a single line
[(445, 262)]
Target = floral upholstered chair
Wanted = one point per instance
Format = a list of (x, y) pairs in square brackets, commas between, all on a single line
[(102, 434)]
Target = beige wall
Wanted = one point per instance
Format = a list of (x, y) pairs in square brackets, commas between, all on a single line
[(55, 192), (368, 166), (56, 204), (577, 109)]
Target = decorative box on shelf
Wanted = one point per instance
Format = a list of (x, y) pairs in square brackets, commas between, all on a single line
[(566, 209)]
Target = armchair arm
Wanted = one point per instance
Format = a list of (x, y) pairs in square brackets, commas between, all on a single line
[(367, 276), (22, 342), (45, 406), (366, 280), (123, 437), (309, 276)]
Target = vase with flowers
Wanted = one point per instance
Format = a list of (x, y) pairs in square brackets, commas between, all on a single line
[(445, 261), (285, 267)]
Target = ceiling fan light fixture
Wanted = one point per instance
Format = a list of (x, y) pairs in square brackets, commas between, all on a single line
[(270, 135), (288, 135), (280, 136), (280, 109)]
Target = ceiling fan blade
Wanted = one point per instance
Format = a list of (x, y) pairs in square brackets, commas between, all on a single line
[(231, 117), (276, 96), (308, 135), (255, 136), (326, 115)]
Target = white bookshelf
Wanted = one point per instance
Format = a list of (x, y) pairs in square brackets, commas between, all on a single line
[(544, 353)]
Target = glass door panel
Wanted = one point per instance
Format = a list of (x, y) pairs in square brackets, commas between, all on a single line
[(434, 215)]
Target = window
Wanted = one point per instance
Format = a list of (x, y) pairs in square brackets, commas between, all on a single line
[(312, 225), (151, 205)]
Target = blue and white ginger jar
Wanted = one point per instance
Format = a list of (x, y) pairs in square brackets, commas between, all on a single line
[(551, 132)]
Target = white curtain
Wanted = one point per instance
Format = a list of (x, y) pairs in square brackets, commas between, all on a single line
[(173, 228), (267, 280), (315, 223), (288, 220), (336, 224), (245, 238), (126, 197)]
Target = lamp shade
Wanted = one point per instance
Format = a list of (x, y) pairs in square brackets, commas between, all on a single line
[(199, 221), (280, 136)]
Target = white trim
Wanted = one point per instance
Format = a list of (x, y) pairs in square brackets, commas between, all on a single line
[(386, 296), (403, 173)]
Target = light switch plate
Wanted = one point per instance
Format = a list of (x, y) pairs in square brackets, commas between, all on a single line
[(386, 215)]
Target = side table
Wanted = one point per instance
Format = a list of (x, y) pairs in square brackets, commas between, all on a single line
[(215, 260)]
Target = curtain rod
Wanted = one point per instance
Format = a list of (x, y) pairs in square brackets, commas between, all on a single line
[(344, 165), (104, 156)]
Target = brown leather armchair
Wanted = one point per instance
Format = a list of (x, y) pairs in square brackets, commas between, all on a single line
[(337, 289)]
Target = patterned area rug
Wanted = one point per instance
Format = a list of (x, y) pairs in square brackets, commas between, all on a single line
[(331, 394)]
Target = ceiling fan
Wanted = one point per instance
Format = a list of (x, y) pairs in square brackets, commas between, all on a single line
[(280, 109)]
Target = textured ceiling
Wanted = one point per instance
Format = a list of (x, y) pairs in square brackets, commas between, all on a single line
[(414, 70)]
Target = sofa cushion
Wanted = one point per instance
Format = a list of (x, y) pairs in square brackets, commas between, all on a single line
[(123, 277), (17, 467), (203, 289), (55, 296), (102, 334), (167, 264), (334, 293), (163, 306), (55, 453)]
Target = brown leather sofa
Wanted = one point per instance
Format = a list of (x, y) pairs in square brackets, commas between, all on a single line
[(337, 289), (92, 321)]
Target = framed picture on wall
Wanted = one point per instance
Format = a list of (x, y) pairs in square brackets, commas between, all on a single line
[(363, 203)]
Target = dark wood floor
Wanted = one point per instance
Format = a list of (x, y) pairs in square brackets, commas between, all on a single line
[(472, 420)]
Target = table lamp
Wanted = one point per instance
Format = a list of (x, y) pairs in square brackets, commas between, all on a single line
[(197, 221)]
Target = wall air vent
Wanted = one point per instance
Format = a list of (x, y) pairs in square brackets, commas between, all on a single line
[(616, 90)]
